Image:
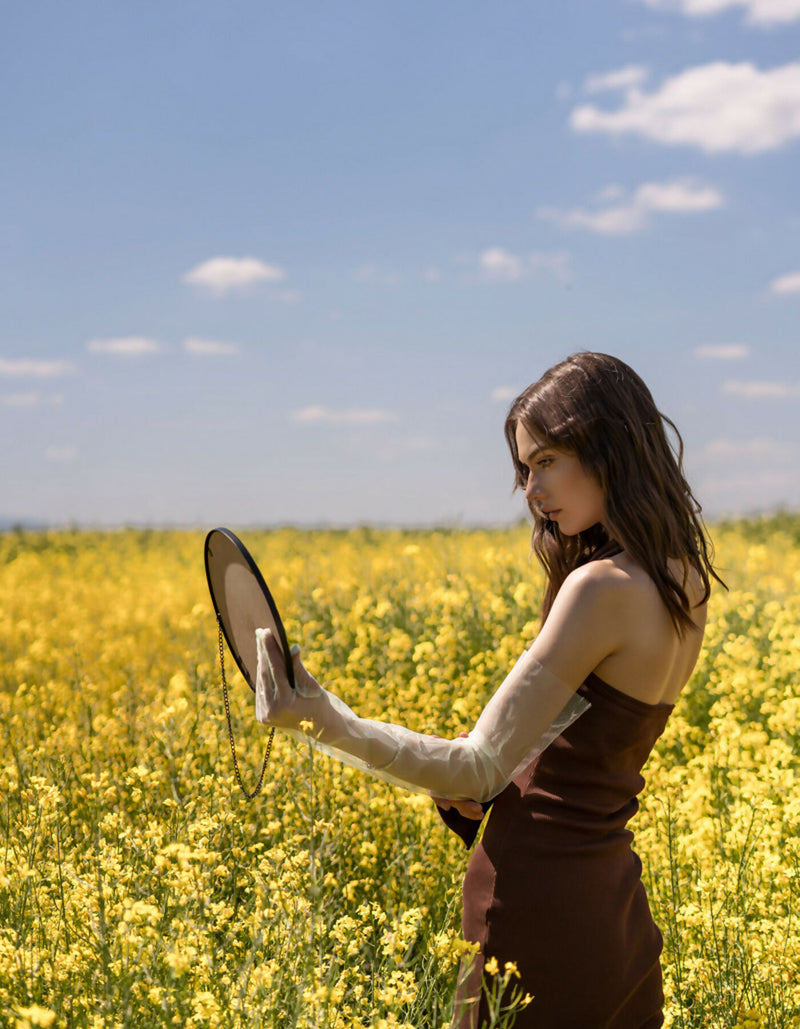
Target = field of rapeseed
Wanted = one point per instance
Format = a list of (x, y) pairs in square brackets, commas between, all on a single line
[(139, 889)]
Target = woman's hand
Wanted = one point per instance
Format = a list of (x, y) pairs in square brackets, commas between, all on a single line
[(467, 808), (276, 702)]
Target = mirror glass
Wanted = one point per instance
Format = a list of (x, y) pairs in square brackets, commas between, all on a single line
[(242, 601)]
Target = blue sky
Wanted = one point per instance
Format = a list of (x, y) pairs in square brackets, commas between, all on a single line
[(270, 263)]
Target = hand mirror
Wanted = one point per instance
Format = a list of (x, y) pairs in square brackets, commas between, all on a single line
[(242, 602)]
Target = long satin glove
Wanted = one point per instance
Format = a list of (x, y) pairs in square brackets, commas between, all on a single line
[(528, 711)]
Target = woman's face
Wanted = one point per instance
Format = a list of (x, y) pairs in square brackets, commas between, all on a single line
[(558, 485)]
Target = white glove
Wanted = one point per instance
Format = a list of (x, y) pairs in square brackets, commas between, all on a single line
[(528, 711)]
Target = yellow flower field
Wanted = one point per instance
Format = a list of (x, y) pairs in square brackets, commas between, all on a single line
[(139, 888)]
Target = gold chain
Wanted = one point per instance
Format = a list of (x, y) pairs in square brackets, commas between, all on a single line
[(236, 771)]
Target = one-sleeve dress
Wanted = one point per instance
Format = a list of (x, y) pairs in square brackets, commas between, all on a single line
[(555, 886)]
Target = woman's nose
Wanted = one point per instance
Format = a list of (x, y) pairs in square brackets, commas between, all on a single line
[(532, 488)]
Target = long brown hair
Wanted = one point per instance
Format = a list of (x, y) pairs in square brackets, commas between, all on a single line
[(597, 407)]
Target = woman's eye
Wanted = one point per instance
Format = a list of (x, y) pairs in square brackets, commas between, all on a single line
[(544, 462)]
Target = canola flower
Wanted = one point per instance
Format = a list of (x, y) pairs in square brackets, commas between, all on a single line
[(138, 888)]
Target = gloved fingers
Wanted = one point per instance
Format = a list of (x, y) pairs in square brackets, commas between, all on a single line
[(277, 662), (266, 688), (273, 692), (305, 683)]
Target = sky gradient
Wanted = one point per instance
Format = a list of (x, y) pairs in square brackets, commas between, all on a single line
[(268, 264)]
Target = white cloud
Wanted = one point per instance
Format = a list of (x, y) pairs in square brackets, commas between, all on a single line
[(758, 12), (722, 351), (342, 416), (32, 399), (623, 78), (499, 265), (759, 492), (761, 389), (786, 284), (759, 448), (718, 107), (221, 275), (613, 221), (33, 368), (208, 347), (124, 346), (503, 394), (679, 196), (756, 474)]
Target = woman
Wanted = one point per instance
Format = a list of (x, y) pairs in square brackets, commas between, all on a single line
[(554, 885)]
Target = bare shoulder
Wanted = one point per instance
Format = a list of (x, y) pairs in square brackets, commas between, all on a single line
[(610, 580), (586, 622), (612, 596), (620, 580), (610, 618)]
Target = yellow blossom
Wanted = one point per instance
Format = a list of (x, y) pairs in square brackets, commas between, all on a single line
[(34, 1016), (133, 867)]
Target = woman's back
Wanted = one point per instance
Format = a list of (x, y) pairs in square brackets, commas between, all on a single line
[(650, 660)]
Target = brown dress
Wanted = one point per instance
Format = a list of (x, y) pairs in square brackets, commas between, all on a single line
[(555, 887)]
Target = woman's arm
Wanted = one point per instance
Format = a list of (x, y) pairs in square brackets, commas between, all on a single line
[(534, 704)]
